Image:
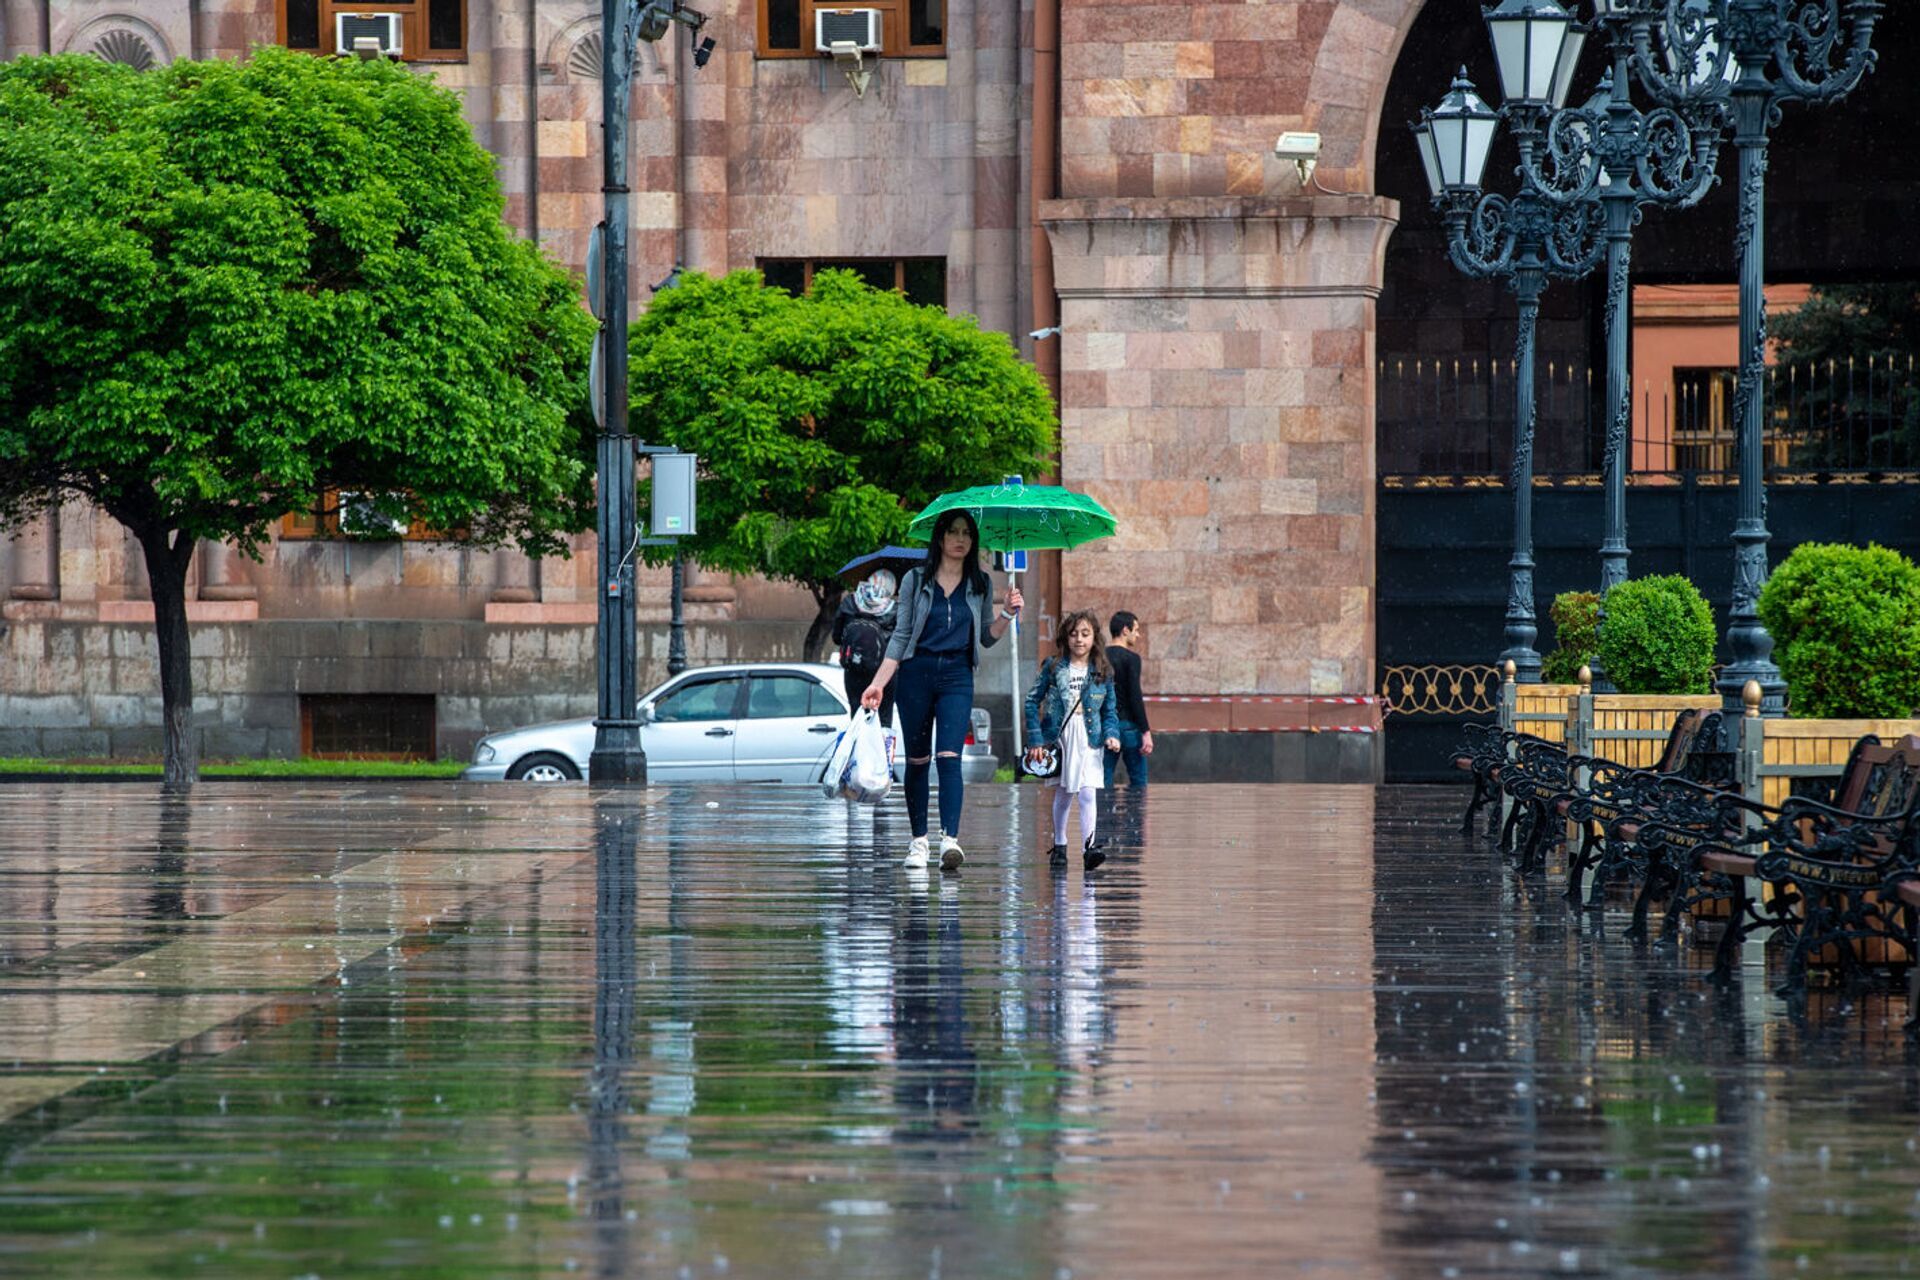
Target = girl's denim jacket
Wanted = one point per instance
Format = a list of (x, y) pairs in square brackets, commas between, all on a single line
[(1097, 703)]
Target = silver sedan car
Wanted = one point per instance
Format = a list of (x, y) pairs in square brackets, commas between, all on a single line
[(747, 722)]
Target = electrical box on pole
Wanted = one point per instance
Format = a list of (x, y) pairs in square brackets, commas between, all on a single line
[(673, 495)]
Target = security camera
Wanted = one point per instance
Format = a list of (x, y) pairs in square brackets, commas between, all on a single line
[(1041, 335), (1301, 148), (655, 16)]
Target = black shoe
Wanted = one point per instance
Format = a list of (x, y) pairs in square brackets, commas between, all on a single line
[(1058, 856), (1093, 856)]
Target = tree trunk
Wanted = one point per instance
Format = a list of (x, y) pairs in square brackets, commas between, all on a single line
[(820, 631), (167, 573)]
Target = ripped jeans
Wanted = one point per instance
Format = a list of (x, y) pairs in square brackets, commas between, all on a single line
[(935, 697)]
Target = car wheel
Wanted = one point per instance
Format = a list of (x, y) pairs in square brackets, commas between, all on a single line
[(543, 766)]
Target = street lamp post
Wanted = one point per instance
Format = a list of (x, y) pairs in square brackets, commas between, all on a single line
[(1756, 55), (1525, 238), (1631, 159), (617, 754)]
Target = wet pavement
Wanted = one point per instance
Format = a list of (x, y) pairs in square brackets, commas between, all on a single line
[(443, 1030)]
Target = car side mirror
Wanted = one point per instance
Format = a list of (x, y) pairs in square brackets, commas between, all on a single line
[(646, 713)]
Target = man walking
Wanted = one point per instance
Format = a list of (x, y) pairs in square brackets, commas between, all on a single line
[(1136, 735)]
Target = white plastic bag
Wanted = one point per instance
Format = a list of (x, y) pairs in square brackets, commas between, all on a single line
[(833, 778), (871, 773)]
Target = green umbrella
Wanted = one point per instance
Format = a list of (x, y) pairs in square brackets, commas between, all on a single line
[(1021, 517)]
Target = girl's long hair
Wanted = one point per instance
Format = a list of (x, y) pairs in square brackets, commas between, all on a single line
[(970, 570), (1097, 656)]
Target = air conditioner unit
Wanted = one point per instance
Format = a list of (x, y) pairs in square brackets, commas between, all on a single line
[(384, 27), (857, 27)]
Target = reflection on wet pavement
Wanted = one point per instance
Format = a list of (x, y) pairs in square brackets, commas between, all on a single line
[(472, 1031)]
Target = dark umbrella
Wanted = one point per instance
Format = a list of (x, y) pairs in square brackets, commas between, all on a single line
[(898, 559)]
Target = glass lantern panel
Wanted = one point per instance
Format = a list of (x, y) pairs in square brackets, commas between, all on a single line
[(1510, 56), (1570, 46), (1429, 158), (1479, 144)]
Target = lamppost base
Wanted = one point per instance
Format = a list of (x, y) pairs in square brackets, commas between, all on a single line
[(617, 756), (1732, 688), (1526, 664)]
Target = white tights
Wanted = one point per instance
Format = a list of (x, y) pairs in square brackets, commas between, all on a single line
[(1062, 797)]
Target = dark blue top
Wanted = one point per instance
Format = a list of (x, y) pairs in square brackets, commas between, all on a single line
[(949, 623)]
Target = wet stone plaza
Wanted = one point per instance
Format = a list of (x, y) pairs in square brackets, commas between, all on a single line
[(433, 1030)]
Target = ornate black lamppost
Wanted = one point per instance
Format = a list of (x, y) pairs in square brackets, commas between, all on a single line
[(1756, 55), (1524, 238)]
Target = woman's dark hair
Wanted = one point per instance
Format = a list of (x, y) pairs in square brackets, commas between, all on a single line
[(971, 570), (1097, 664)]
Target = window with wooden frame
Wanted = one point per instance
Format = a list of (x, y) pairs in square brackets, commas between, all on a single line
[(908, 28), (430, 30), (923, 280), (360, 517)]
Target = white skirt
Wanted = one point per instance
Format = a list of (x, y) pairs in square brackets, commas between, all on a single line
[(1082, 764)]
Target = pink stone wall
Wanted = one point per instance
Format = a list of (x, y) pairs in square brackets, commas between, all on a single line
[(1218, 397), (1217, 365)]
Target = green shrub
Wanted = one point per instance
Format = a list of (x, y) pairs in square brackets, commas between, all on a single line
[(1576, 633), (1846, 629), (1658, 636)]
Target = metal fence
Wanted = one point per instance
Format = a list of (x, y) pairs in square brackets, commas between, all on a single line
[(1452, 419)]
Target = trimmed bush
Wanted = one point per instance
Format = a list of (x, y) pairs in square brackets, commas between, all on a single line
[(1846, 630), (1658, 636), (1576, 633)]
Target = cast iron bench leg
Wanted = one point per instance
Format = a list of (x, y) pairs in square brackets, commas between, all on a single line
[(1726, 956)]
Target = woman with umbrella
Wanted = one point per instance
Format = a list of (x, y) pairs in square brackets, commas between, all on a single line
[(945, 617)]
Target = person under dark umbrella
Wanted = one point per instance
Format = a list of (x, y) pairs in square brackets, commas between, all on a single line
[(862, 627)]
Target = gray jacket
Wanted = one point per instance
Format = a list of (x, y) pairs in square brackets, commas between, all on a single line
[(916, 604)]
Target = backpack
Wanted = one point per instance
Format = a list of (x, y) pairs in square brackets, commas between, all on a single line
[(864, 644)]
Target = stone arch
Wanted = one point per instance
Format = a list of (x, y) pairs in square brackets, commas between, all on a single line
[(122, 38), (1351, 70)]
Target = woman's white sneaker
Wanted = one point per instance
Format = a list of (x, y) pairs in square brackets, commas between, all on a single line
[(950, 855), (917, 852)]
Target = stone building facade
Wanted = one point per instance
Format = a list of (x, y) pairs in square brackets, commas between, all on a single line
[(1101, 164)]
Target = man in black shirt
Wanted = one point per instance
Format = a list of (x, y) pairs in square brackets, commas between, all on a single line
[(1136, 735)]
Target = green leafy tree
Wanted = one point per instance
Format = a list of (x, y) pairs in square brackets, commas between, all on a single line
[(228, 289), (1847, 623), (1576, 631), (1658, 636), (824, 422), (1848, 383)]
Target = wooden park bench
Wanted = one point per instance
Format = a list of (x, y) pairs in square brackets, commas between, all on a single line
[(1604, 799), (1835, 872)]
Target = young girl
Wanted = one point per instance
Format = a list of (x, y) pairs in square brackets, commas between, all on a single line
[(1078, 680)]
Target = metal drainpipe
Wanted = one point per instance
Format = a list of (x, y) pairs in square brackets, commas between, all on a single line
[(1043, 184), (533, 124)]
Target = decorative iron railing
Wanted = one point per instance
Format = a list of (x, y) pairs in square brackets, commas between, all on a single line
[(1451, 421), (1439, 690)]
